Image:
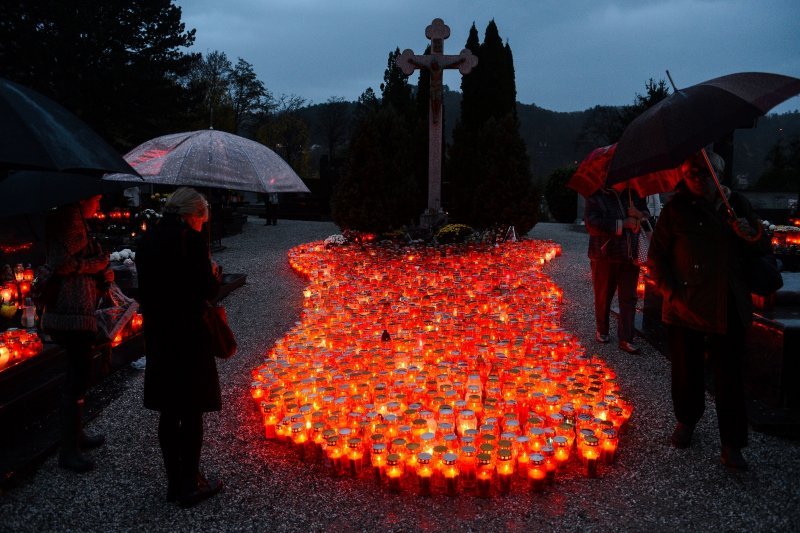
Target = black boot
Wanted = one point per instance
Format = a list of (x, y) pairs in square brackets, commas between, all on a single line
[(199, 490), (88, 441), (70, 456), (172, 465)]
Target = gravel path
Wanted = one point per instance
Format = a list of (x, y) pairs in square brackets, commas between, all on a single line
[(651, 486)]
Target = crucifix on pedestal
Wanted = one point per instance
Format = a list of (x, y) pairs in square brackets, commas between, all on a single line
[(436, 62)]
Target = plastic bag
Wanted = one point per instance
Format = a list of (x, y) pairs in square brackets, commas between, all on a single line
[(114, 311), (643, 243)]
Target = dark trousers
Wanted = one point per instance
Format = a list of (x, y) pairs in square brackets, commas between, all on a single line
[(610, 277), (272, 213), (78, 346), (687, 349), (181, 438)]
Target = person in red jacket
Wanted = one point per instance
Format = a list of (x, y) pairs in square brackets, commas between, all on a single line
[(696, 259)]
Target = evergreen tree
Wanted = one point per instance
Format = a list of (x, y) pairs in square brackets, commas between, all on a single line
[(376, 189), (488, 171), (117, 65), (782, 172), (395, 90)]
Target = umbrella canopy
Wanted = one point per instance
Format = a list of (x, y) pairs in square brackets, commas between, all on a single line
[(211, 158), (683, 123), (37, 133), (36, 191), (592, 174)]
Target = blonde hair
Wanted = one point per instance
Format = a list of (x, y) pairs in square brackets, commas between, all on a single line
[(186, 201)]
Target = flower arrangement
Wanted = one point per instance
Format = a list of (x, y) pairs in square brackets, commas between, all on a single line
[(453, 233), (335, 240), (125, 256)]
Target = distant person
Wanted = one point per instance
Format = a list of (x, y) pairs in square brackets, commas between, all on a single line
[(80, 270), (696, 260), (272, 204), (176, 279), (612, 220)]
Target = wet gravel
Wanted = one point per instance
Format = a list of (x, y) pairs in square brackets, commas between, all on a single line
[(651, 486)]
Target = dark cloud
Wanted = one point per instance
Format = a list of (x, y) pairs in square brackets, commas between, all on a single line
[(569, 55)]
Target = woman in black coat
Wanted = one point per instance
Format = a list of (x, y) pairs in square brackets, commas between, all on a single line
[(176, 279)]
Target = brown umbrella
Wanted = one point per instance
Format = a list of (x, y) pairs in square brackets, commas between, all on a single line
[(689, 119)]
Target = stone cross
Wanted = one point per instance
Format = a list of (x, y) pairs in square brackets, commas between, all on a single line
[(436, 62)]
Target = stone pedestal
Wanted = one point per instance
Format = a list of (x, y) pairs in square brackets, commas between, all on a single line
[(431, 219)]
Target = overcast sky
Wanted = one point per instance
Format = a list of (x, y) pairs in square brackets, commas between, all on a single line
[(569, 55)]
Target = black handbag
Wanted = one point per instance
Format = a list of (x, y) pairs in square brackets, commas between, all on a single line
[(221, 338), (762, 274)]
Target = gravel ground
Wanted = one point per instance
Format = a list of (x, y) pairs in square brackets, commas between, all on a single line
[(651, 486)]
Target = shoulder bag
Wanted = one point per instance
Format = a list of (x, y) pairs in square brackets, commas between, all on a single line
[(222, 341)]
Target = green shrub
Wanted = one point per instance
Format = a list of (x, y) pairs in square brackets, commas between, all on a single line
[(561, 200), (453, 233)]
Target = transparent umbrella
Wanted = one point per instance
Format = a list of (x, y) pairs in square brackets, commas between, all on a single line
[(211, 158)]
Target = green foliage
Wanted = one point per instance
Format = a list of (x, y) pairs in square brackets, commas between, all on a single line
[(489, 181), (117, 65), (395, 90), (376, 190), (783, 168), (286, 133), (561, 200), (453, 233), (605, 125)]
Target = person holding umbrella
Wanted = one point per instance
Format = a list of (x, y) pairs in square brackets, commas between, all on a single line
[(696, 260), (176, 280), (612, 219)]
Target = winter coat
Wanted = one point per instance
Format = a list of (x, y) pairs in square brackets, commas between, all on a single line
[(697, 261), (605, 211), (176, 280), (77, 263)]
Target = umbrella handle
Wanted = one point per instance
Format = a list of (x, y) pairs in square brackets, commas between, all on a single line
[(728, 207)]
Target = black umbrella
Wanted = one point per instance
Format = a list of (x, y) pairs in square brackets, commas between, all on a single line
[(37, 133), (36, 191), (689, 119)]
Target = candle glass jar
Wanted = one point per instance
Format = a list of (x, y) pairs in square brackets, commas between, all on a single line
[(609, 445), (424, 473), (394, 472), (484, 475), (591, 455), (355, 456), (505, 470), (451, 473), (378, 460), (537, 473)]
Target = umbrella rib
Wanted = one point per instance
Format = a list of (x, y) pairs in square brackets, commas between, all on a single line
[(252, 163), (185, 157)]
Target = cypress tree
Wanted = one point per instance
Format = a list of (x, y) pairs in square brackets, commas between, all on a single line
[(488, 168), (378, 191)]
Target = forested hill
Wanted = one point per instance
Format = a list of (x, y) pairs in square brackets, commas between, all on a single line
[(558, 139)]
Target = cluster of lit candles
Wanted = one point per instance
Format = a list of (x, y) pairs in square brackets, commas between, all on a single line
[(786, 237), (16, 345), (14, 292), (438, 370)]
